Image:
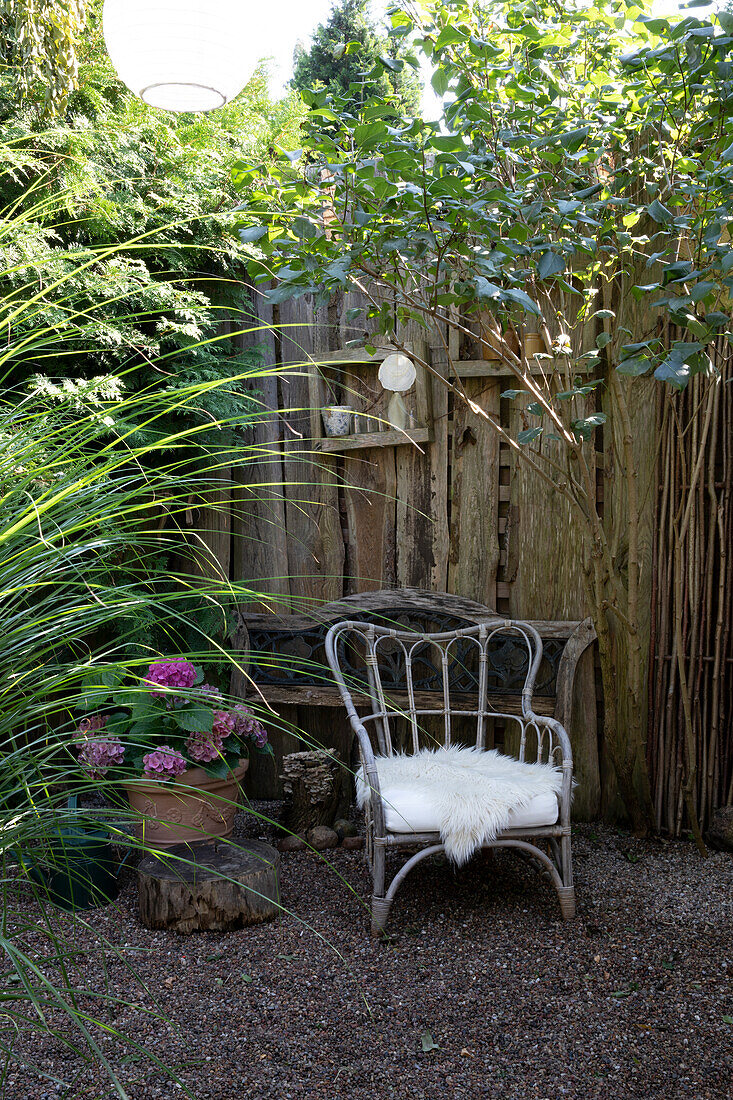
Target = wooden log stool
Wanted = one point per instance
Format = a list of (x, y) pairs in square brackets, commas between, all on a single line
[(210, 886)]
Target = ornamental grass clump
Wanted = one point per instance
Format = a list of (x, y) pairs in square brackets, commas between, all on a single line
[(168, 722)]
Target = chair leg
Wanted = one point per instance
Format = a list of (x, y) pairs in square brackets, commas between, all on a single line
[(566, 896), (380, 905), (380, 915), (566, 892)]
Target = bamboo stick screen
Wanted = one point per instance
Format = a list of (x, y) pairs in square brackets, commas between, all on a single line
[(695, 462)]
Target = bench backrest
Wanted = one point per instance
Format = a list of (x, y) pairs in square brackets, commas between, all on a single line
[(283, 659)]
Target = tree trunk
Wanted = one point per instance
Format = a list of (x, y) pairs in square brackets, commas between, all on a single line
[(209, 887), (314, 790)]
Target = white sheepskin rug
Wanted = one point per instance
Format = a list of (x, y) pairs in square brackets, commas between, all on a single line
[(472, 791)]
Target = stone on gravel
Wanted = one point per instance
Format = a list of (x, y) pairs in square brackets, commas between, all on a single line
[(292, 843), (344, 828), (321, 837), (352, 843), (720, 833)]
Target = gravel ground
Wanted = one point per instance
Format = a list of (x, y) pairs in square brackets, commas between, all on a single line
[(632, 999)]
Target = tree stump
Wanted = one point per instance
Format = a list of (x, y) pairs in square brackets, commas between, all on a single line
[(211, 886), (313, 789)]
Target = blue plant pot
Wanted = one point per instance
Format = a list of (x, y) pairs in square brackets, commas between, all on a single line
[(78, 870)]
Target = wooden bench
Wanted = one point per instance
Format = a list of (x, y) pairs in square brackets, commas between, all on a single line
[(286, 669)]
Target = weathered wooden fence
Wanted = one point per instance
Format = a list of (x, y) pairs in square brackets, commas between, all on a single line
[(315, 520)]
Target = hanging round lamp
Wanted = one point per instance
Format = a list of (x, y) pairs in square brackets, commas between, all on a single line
[(397, 372), (181, 55)]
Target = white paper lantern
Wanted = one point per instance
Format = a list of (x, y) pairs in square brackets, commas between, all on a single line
[(182, 55)]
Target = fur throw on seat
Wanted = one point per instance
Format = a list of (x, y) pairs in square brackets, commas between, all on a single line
[(473, 792)]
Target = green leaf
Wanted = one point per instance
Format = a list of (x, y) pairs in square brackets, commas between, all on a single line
[(448, 143), (550, 264), (217, 769), (673, 370), (727, 1019), (145, 705), (145, 727), (659, 212), (603, 339), (585, 427), (370, 132), (98, 685), (523, 300), (450, 36), (440, 82), (487, 290), (702, 290), (282, 293), (354, 312), (304, 227), (126, 698), (253, 233), (511, 394), (195, 718), (427, 1042), (535, 409), (573, 139), (528, 435), (635, 366)]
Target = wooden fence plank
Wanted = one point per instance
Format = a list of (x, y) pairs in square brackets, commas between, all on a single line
[(259, 555), (544, 541), (545, 572), (422, 499), (474, 526), (370, 478), (314, 541)]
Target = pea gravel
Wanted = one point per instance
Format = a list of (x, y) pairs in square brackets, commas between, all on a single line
[(482, 991)]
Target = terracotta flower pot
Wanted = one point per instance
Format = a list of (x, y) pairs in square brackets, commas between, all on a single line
[(171, 814)]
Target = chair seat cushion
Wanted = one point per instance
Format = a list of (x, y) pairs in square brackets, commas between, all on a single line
[(466, 795), (407, 810)]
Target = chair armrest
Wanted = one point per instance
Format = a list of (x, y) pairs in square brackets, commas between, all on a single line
[(370, 776), (559, 740), (370, 765)]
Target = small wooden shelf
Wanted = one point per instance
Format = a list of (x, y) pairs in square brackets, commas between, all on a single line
[(393, 438), (496, 368)]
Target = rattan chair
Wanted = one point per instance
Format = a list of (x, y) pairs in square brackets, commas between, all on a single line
[(431, 686)]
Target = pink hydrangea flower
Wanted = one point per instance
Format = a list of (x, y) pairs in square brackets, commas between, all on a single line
[(163, 764), (176, 672), (247, 726), (212, 696), (204, 747), (98, 754), (224, 723)]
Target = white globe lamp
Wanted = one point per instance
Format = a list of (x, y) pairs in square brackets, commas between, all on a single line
[(181, 55)]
